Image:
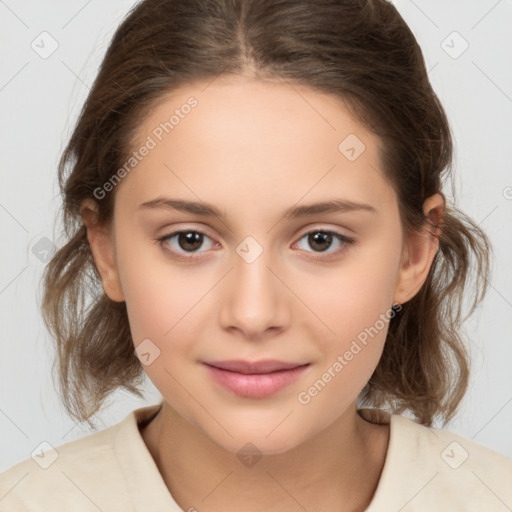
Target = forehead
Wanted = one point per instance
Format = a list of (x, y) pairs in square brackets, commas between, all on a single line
[(237, 137), (255, 111)]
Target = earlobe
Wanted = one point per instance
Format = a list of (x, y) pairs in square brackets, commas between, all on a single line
[(419, 251), (102, 249)]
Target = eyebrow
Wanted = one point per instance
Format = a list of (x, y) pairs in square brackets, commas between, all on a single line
[(209, 210)]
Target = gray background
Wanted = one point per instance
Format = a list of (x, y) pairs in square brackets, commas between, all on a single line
[(40, 98)]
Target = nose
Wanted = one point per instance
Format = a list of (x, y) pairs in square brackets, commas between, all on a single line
[(254, 299)]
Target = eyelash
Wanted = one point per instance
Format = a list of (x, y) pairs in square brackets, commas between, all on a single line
[(343, 239)]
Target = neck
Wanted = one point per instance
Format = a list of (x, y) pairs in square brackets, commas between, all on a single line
[(338, 469)]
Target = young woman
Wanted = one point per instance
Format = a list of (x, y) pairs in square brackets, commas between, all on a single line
[(256, 221)]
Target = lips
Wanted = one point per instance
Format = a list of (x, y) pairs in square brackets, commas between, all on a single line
[(257, 367), (254, 379)]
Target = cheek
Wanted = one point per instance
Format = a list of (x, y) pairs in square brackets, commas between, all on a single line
[(159, 294), (349, 357), (167, 306), (162, 304), (353, 297), (355, 303)]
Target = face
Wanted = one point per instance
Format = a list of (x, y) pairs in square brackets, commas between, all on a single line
[(310, 288)]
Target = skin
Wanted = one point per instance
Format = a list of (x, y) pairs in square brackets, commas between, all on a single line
[(254, 149)]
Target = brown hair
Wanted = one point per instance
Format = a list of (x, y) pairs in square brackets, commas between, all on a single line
[(359, 50)]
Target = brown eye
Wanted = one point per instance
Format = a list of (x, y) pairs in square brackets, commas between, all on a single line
[(322, 240), (179, 243), (190, 240)]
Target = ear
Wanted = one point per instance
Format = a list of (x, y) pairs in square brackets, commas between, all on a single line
[(102, 248), (419, 251)]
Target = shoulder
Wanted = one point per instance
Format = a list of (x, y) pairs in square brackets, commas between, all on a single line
[(451, 451), (65, 477), (434, 469)]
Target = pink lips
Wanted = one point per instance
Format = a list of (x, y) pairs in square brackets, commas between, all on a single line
[(254, 379)]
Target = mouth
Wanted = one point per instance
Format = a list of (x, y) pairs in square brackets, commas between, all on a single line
[(254, 379)]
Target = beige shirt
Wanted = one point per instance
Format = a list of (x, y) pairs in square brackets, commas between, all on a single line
[(426, 469)]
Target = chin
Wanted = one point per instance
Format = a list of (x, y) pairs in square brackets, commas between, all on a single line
[(253, 440), (251, 445)]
